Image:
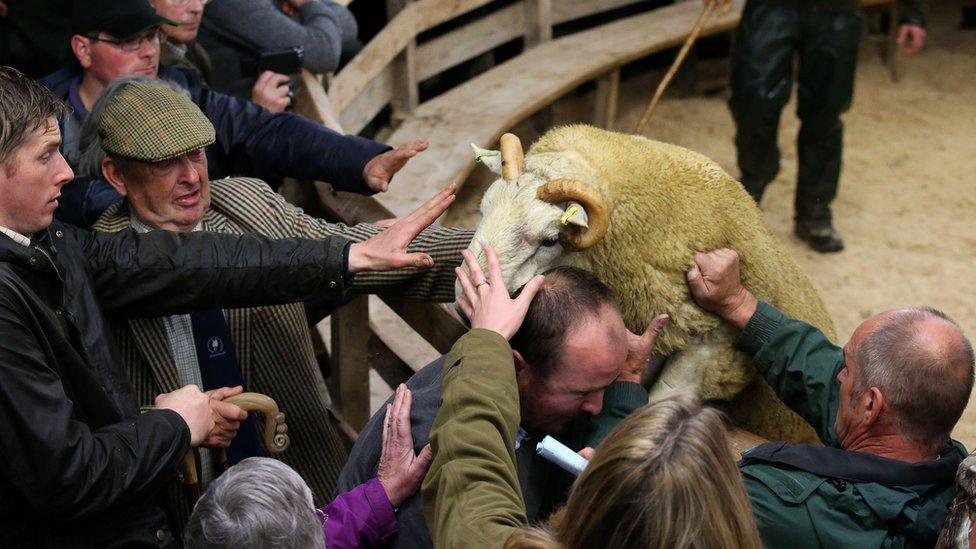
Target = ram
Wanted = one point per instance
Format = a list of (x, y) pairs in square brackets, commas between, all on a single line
[(633, 211)]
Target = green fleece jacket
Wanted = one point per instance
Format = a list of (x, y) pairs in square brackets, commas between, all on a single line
[(797, 509)]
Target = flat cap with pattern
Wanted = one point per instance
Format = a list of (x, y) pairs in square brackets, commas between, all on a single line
[(153, 122)]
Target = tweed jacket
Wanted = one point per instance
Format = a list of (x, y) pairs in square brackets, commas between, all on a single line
[(273, 343)]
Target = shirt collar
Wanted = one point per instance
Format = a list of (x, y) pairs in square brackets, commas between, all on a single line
[(141, 226), (17, 237)]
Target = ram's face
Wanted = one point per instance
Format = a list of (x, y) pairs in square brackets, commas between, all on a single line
[(523, 230), (532, 220)]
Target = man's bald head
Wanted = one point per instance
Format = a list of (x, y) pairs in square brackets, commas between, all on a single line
[(923, 364)]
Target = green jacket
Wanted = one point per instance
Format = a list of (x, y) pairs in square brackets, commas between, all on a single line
[(798, 508), (472, 496)]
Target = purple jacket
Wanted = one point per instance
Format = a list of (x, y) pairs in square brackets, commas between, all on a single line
[(361, 517)]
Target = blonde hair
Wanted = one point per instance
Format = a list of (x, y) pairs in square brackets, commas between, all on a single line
[(664, 477)]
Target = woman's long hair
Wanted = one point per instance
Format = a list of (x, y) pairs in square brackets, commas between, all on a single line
[(664, 477)]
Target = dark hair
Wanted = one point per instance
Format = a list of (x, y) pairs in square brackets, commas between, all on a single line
[(926, 381), (567, 296), (25, 105)]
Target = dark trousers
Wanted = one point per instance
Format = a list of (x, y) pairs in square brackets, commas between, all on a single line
[(825, 44)]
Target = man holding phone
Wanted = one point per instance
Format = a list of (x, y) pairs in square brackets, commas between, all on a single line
[(271, 89), (116, 38), (236, 31)]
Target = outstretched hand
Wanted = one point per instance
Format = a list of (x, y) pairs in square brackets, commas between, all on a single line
[(639, 349), (486, 302), (382, 167), (388, 250), (400, 470)]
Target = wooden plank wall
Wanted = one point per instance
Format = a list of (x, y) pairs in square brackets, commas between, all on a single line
[(390, 67)]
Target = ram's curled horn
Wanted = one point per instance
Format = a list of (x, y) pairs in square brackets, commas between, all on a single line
[(563, 190), (512, 157)]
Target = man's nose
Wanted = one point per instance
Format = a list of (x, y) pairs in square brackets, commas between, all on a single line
[(64, 172), (593, 404), (188, 174)]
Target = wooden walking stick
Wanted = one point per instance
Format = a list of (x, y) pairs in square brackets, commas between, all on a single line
[(695, 31)]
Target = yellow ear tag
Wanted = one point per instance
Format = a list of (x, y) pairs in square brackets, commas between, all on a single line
[(569, 213)]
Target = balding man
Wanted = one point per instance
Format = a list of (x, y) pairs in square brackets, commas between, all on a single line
[(884, 405)]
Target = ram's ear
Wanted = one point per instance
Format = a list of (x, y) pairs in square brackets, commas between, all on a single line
[(574, 215), (491, 159)]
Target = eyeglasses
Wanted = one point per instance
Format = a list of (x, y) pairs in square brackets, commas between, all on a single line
[(135, 43)]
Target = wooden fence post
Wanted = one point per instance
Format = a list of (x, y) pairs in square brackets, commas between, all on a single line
[(605, 100), (349, 382), (538, 22), (406, 93)]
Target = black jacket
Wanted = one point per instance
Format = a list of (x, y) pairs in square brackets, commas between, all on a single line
[(250, 142), (79, 465)]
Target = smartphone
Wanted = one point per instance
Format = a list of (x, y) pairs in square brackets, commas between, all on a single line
[(282, 62)]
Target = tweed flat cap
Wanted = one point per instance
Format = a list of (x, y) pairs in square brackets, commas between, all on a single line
[(153, 122)]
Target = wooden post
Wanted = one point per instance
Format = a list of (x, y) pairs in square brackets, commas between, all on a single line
[(538, 22), (406, 93), (891, 44), (605, 101), (349, 382)]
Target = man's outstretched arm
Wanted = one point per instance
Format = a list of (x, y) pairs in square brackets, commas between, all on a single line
[(795, 358)]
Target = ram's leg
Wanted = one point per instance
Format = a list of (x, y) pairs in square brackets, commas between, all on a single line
[(709, 366)]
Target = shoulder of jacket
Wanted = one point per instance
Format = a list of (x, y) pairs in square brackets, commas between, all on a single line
[(788, 484)]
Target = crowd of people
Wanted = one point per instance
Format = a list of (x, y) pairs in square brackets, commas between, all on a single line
[(149, 271)]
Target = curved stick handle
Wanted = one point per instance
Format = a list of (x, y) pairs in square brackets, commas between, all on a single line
[(275, 431)]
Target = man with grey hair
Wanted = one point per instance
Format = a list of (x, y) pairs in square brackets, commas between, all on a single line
[(272, 352), (884, 405)]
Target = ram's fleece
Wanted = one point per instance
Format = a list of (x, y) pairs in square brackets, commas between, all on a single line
[(657, 204)]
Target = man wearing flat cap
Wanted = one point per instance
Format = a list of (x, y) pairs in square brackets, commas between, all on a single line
[(81, 466), (152, 135), (116, 38)]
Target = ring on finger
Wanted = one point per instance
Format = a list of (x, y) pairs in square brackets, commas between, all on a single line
[(482, 283)]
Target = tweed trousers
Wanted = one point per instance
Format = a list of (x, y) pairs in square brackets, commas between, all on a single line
[(273, 344)]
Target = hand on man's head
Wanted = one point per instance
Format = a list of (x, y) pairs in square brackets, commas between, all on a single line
[(387, 251), (193, 405), (382, 167), (400, 470), (486, 302), (716, 286)]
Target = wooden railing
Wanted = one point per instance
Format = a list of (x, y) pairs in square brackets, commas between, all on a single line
[(388, 71)]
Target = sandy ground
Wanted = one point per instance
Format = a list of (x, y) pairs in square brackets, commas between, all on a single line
[(907, 202)]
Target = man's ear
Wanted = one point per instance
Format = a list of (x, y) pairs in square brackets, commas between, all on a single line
[(872, 406), (81, 47), (520, 365), (112, 174)]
